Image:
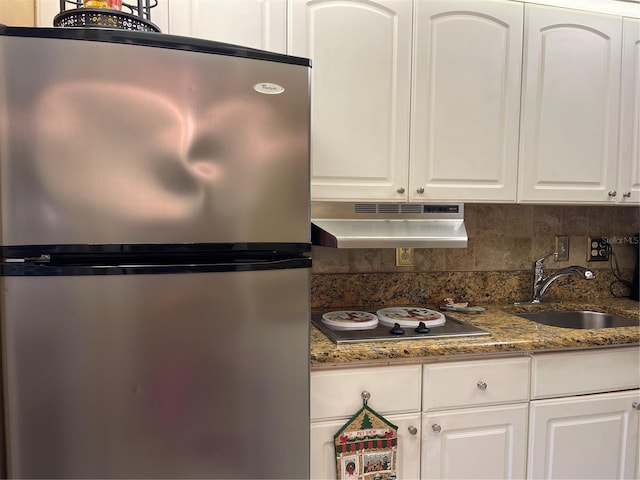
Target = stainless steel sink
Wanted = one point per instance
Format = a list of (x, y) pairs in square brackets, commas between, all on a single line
[(579, 319)]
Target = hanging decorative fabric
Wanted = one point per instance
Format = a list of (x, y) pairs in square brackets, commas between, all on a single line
[(366, 447)]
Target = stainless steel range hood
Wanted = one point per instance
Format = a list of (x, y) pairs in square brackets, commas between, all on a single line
[(388, 225)]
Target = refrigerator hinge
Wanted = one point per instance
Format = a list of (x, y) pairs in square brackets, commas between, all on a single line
[(45, 258)]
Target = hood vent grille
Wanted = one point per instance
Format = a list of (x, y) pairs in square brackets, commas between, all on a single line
[(362, 208), (410, 208), (365, 208), (388, 225)]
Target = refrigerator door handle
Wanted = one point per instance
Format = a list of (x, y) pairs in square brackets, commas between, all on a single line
[(44, 258)]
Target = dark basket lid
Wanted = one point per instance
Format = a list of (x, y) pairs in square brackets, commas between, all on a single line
[(103, 18)]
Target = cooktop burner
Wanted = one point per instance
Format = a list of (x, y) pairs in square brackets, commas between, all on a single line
[(382, 333)]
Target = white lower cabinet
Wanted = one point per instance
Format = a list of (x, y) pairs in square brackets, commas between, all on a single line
[(556, 415), (479, 443), (592, 436), (336, 395), (323, 456), (485, 435), (584, 415)]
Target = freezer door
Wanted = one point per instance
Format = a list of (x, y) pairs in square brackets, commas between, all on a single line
[(121, 143), (157, 376)]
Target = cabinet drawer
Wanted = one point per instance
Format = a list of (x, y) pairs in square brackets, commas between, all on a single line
[(480, 382), (338, 393), (574, 373)]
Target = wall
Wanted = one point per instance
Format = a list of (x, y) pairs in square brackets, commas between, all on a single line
[(504, 240), (19, 13)]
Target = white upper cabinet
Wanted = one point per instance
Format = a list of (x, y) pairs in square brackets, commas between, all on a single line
[(629, 169), (250, 23), (361, 57), (466, 100), (571, 104)]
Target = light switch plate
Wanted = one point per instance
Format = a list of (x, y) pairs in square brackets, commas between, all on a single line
[(562, 248)]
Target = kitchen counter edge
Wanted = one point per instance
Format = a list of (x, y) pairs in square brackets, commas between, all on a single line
[(509, 334)]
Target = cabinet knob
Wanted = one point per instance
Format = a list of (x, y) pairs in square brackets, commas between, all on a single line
[(482, 385), (420, 190), (365, 395), (613, 193), (626, 194), (412, 430), (636, 405), (436, 428), (400, 190)]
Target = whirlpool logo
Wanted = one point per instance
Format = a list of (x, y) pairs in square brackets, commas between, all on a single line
[(268, 88)]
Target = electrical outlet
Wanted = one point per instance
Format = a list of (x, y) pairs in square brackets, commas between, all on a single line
[(562, 248), (597, 249), (404, 257)]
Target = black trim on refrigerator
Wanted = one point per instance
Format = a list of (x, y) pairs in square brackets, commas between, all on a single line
[(34, 251), (144, 266), (151, 39)]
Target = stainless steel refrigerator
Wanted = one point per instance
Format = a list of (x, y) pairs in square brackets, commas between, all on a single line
[(154, 275)]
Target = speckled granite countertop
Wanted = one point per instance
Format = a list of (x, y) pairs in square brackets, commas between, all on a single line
[(509, 334)]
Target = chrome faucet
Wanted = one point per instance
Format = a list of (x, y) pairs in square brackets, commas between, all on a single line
[(541, 283)]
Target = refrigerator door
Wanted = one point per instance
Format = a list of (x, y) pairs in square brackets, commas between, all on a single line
[(115, 137), (200, 375)]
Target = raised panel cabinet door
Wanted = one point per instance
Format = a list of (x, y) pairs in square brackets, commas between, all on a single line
[(629, 176), (251, 23), (323, 457), (466, 100), (571, 104), (361, 57), (589, 437), (478, 443)]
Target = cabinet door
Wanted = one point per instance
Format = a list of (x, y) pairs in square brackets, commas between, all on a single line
[(571, 99), (586, 437), (360, 95), (323, 457), (477, 443), (629, 178), (250, 23), (466, 100)]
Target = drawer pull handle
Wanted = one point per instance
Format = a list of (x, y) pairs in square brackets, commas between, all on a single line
[(420, 190), (412, 430), (636, 405), (436, 428), (482, 385), (400, 190)]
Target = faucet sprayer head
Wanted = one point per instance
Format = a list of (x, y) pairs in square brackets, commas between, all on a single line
[(541, 283), (583, 272)]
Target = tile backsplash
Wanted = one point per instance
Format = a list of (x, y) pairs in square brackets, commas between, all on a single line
[(504, 240)]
